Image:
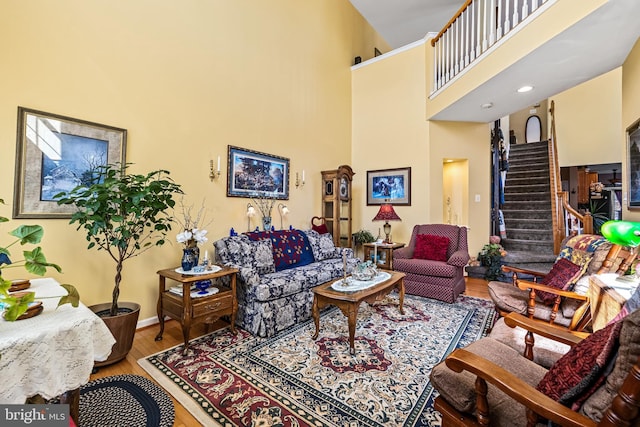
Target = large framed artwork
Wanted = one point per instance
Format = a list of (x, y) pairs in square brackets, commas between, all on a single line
[(55, 154), (633, 162), (389, 186), (251, 173)]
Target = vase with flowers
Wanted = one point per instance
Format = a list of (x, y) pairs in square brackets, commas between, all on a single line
[(192, 235), (264, 201)]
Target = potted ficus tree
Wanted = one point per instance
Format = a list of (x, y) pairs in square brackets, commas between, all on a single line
[(124, 215), (34, 262)]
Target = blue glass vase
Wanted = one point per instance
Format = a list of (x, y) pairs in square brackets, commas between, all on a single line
[(266, 223), (189, 258)]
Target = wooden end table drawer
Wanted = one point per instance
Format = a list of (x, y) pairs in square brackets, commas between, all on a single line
[(212, 305)]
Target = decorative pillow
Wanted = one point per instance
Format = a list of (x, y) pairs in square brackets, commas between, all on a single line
[(628, 353), (290, 247), (321, 228), (582, 285), (577, 374), (562, 275), (431, 247), (262, 256), (234, 249), (585, 250), (322, 245)]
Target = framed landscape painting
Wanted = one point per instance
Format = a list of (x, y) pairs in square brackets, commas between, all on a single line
[(54, 154), (633, 162), (389, 186), (252, 173)]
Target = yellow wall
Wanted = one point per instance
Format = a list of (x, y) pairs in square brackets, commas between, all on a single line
[(185, 79), (630, 114), (390, 131), (588, 120)]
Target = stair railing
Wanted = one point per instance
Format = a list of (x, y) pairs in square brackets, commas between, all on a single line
[(566, 220), (475, 28)]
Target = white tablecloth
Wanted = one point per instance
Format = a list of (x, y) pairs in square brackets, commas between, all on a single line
[(53, 352), (624, 285), (358, 285)]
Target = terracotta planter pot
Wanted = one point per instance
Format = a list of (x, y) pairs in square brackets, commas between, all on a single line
[(122, 327)]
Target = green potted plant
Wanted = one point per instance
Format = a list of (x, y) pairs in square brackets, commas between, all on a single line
[(124, 215), (361, 237), (490, 256), (599, 218), (33, 262)]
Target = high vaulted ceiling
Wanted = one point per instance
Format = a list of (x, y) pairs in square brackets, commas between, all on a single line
[(597, 44), (401, 22)]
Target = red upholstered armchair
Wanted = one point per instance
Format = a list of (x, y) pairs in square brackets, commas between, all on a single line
[(434, 267)]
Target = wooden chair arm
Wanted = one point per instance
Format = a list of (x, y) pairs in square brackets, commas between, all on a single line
[(463, 360), (580, 318), (555, 333), (511, 269), (527, 285)]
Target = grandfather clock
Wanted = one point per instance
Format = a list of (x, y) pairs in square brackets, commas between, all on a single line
[(336, 204)]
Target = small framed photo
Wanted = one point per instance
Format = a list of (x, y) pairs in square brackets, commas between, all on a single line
[(633, 162), (251, 173), (389, 186), (54, 154)]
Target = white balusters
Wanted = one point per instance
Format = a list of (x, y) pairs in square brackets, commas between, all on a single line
[(507, 23), (478, 27)]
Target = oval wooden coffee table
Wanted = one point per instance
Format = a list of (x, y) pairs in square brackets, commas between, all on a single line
[(348, 302)]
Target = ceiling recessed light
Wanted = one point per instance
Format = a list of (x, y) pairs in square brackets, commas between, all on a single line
[(487, 105), (524, 89)]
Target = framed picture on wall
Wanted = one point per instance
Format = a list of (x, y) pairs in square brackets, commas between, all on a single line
[(389, 186), (633, 165), (251, 173), (55, 154)]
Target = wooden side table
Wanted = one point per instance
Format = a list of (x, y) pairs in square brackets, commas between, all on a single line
[(384, 253), (190, 311), (607, 294)]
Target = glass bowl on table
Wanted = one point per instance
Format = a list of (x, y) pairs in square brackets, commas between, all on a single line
[(365, 271)]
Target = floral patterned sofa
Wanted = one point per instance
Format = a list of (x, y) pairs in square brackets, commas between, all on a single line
[(278, 271)]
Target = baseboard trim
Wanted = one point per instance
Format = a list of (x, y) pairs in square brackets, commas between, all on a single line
[(148, 322)]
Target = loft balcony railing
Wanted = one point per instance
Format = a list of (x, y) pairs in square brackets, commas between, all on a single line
[(475, 28)]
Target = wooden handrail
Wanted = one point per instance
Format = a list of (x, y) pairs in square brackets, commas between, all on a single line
[(586, 219), (559, 230), (560, 199), (451, 21)]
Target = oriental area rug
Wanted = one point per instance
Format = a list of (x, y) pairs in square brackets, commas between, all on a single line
[(292, 380)]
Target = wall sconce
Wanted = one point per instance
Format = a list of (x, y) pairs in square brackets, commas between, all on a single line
[(251, 211), (214, 174), (299, 183), (284, 211)]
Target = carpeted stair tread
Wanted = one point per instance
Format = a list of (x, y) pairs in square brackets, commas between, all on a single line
[(523, 257)]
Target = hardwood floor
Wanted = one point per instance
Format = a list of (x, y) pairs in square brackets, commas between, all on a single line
[(144, 344)]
